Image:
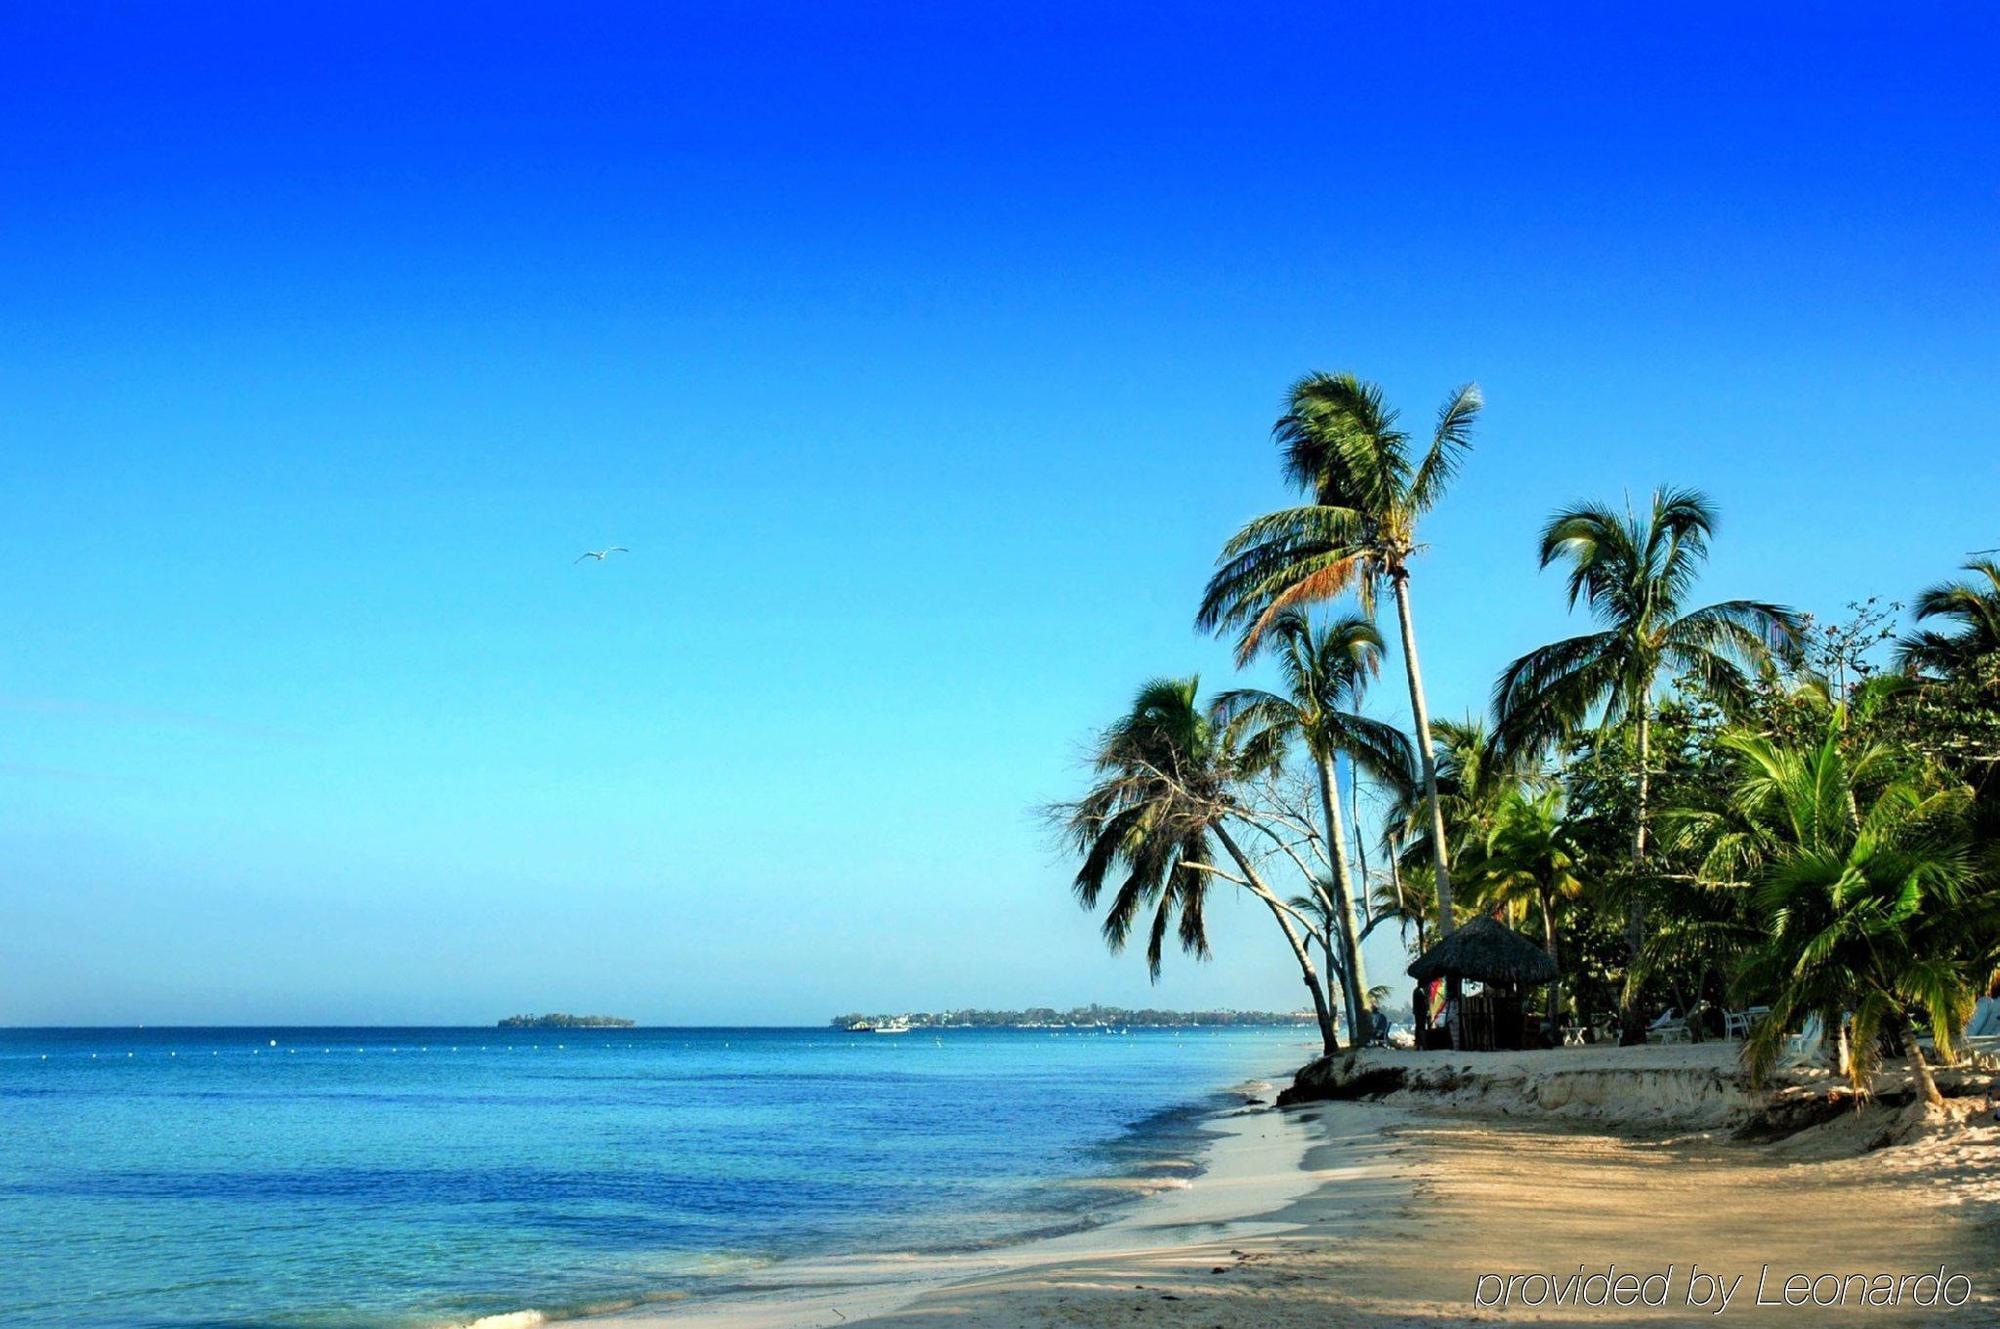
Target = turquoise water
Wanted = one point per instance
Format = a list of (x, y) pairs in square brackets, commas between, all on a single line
[(407, 1178)]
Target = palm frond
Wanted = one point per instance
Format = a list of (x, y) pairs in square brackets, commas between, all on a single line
[(1553, 690), (1449, 442)]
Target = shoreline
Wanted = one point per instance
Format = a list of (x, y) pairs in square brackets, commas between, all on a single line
[(1390, 1213), (1249, 1166)]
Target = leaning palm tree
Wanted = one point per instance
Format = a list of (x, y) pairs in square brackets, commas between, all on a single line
[(1167, 779), (1972, 605), (1316, 908), (1634, 576), (1326, 669), (1368, 491)]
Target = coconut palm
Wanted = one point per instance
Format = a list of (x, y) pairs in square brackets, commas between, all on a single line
[(1368, 489), (1634, 576), (1326, 669), (1472, 779), (1406, 899), (1167, 775), (1973, 605), (1531, 857), (1860, 876)]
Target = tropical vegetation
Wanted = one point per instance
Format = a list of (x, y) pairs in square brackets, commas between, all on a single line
[(1634, 574), (1690, 806)]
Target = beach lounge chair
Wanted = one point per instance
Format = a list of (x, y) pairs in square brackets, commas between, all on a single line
[(1982, 1031), (1980, 1035), (1669, 1028), (1803, 1048)]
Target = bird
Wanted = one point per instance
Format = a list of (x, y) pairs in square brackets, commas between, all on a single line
[(600, 554)]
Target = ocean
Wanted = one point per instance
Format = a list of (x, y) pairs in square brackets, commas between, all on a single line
[(414, 1178)]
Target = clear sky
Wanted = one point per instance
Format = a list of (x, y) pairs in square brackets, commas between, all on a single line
[(922, 357)]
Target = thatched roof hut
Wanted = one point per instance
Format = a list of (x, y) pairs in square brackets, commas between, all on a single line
[(1486, 952)]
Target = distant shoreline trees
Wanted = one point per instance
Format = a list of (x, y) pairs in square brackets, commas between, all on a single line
[(1078, 1017), (561, 1020)]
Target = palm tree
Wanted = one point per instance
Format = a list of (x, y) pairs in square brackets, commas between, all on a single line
[(1166, 789), (1326, 671), (1472, 780), (1973, 605), (1407, 900), (1859, 872), (1956, 714), (1316, 907), (1531, 857), (1634, 577), (1368, 491)]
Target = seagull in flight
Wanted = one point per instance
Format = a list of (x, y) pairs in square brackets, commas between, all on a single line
[(600, 554)]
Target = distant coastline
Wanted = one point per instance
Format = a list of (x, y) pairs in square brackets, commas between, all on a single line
[(1079, 1017), (561, 1020)]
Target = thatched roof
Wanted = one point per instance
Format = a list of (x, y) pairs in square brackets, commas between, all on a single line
[(1487, 952)]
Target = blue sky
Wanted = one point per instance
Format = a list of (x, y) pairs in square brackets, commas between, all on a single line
[(923, 359)]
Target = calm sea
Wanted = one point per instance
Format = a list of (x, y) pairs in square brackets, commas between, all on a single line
[(407, 1178)]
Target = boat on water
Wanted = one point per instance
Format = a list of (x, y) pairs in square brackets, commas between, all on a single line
[(898, 1026)]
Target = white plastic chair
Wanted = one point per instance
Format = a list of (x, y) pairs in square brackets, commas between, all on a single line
[(1738, 1024)]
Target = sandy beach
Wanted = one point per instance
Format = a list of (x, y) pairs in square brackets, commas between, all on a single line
[(1417, 1210)]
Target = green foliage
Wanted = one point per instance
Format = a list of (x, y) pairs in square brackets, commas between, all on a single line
[(1771, 808), (1857, 863), (1170, 774), (1325, 668), (1530, 859), (1341, 445), (1145, 828), (1972, 606), (1634, 577)]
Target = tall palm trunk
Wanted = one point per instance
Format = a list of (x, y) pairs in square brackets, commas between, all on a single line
[(1363, 903), (1329, 1041), (1329, 945), (1556, 983), (1343, 893), (1635, 907), (1420, 715)]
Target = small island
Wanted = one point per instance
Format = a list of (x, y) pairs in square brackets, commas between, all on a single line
[(1080, 1017), (562, 1020)]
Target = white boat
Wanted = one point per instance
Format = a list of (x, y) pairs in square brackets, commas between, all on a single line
[(896, 1026)]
